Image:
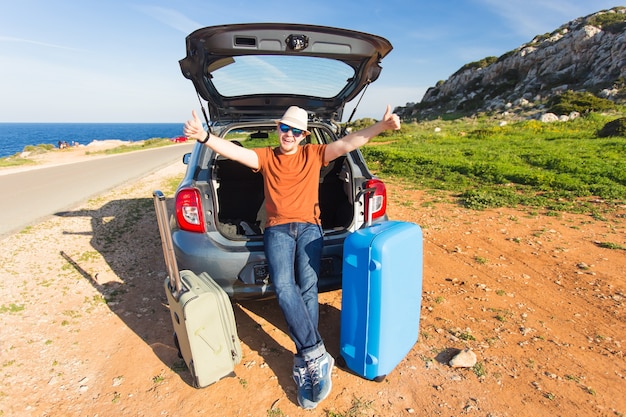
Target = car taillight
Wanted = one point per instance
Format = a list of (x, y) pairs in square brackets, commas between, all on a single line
[(189, 213), (376, 203)]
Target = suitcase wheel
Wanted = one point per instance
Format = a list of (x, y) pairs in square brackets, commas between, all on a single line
[(341, 362), (180, 355)]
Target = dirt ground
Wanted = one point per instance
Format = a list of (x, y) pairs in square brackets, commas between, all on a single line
[(539, 298)]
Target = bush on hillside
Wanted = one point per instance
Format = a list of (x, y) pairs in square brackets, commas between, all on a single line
[(483, 63), (616, 127), (362, 123), (37, 149), (610, 22), (581, 102)]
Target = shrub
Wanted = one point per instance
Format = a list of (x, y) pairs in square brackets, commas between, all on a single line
[(37, 149), (483, 63), (362, 123), (616, 127), (582, 102), (610, 22)]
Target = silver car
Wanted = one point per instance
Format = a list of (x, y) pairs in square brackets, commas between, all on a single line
[(248, 75)]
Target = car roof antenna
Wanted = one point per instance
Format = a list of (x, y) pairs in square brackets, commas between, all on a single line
[(206, 118), (345, 126)]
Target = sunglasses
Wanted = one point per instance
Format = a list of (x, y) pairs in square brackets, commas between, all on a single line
[(286, 128)]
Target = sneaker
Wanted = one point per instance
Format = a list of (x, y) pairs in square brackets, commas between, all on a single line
[(305, 387), (320, 371)]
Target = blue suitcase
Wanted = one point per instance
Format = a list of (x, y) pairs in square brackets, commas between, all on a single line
[(381, 297)]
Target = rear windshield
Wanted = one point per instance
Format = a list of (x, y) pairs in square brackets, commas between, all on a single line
[(273, 74), (263, 136)]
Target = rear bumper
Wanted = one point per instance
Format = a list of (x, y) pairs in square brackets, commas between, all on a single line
[(241, 269)]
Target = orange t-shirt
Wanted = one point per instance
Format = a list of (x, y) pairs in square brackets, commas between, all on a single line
[(291, 184)]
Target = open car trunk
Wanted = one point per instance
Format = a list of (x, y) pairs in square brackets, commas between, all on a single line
[(240, 200), (259, 69)]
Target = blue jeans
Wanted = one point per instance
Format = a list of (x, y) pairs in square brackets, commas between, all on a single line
[(294, 252)]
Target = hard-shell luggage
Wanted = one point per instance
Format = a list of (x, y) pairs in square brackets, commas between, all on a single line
[(381, 297), (205, 331)]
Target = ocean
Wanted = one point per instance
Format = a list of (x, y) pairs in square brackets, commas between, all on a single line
[(15, 136)]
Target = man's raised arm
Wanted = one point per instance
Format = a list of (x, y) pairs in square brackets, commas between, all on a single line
[(193, 129), (355, 140)]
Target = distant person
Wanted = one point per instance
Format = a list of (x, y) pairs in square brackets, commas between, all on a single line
[(293, 233)]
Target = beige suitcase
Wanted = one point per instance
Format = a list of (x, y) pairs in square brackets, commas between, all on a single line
[(205, 331)]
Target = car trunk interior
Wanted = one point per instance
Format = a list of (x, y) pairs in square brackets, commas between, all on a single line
[(241, 201)]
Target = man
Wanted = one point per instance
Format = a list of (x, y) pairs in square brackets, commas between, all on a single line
[(293, 233)]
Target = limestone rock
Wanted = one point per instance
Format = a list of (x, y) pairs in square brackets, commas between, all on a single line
[(464, 359), (578, 56)]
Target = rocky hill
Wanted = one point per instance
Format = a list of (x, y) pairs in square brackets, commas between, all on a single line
[(586, 54)]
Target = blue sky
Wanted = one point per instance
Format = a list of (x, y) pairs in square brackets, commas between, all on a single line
[(117, 61)]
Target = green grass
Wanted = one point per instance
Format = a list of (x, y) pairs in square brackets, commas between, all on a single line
[(275, 412), (17, 160), (479, 369), (501, 315), (611, 245), (14, 161), (557, 166), (11, 308), (170, 184), (38, 149), (359, 407)]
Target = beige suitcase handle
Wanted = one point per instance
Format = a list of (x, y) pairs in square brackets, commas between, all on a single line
[(166, 241)]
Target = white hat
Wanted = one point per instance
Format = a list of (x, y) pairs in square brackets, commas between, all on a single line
[(295, 117)]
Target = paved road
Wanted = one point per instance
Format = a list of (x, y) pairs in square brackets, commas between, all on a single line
[(30, 196)]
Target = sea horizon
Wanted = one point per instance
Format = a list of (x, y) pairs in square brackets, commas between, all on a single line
[(15, 136)]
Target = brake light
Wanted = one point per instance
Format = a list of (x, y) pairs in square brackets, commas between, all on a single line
[(189, 214), (377, 200)]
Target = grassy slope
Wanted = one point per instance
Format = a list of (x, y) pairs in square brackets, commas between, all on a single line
[(557, 166)]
